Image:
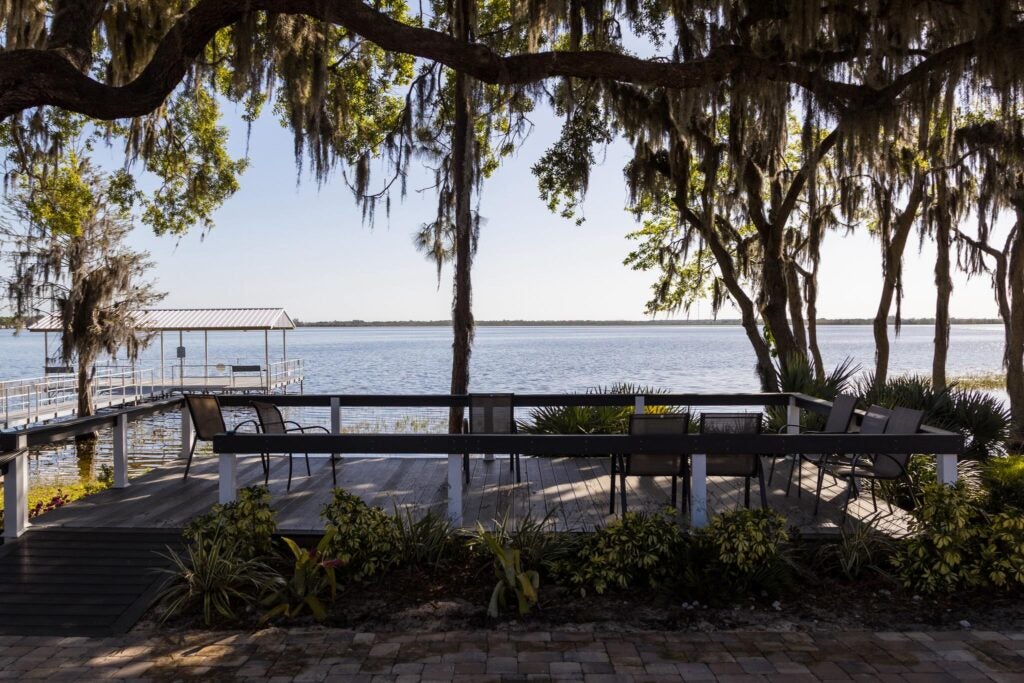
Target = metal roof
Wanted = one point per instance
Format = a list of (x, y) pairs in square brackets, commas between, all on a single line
[(194, 320)]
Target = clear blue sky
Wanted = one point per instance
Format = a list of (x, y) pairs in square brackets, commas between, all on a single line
[(287, 243)]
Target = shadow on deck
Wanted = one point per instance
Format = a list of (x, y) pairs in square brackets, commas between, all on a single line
[(575, 491)]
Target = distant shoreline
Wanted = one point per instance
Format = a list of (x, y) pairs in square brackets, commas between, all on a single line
[(616, 323)]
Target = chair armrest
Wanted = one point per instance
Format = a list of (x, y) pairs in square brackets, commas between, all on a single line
[(465, 425), (254, 423), (300, 428)]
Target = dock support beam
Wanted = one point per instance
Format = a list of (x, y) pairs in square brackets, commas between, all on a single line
[(699, 491), (16, 492), (186, 432), (455, 489), (227, 480), (121, 451), (945, 468)]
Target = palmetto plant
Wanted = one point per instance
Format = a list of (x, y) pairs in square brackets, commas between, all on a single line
[(591, 419), (216, 577)]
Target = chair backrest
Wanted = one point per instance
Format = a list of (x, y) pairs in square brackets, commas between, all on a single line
[(491, 413), (902, 421), (657, 464), (875, 419), (841, 414), (207, 418), (731, 465), (269, 416)]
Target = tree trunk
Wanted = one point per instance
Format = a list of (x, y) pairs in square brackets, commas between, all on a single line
[(775, 301), (892, 260), (943, 292), (462, 170), (796, 307), (811, 284), (1015, 333), (85, 444)]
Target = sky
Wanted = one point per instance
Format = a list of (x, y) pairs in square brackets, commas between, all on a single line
[(284, 241)]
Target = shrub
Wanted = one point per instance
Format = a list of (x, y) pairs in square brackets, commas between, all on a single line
[(247, 524), (590, 419), (512, 578), (540, 547), (1004, 479), (423, 541), (1002, 550), (312, 576), (798, 376), (937, 556), (743, 544), (640, 549), (857, 550), (364, 539), (216, 576)]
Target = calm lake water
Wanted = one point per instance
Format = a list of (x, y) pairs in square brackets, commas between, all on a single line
[(518, 359)]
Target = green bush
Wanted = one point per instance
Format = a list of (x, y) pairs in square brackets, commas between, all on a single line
[(424, 541), (512, 578), (246, 524), (540, 546), (1002, 550), (1004, 480), (743, 544), (591, 419), (365, 539), (937, 557), (858, 550), (216, 576), (640, 549)]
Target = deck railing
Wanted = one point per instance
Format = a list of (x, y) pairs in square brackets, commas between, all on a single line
[(944, 445)]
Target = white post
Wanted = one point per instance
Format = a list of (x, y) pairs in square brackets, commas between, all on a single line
[(455, 488), (335, 418), (227, 470), (945, 465), (186, 431), (792, 417), (699, 491), (121, 451), (638, 405), (16, 492)]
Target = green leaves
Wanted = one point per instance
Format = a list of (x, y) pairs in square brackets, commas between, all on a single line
[(364, 540), (512, 578), (248, 523), (313, 575)]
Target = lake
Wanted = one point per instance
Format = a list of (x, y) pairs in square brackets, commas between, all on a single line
[(371, 360)]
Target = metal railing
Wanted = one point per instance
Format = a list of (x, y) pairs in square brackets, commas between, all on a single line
[(36, 399), (239, 375)]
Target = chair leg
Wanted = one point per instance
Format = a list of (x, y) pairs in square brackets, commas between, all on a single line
[(817, 491), (191, 452), (762, 487), (291, 456), (849, 495), (334, 473), (874, 498), (308, 471), (675, 496), (611, 486), (519, 472), (622, 489), (746, 492), (771, 472), (797, 464), (265, 461), (465, 467), (686, 489)]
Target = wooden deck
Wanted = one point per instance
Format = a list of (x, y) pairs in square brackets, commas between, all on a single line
[(574, 491)]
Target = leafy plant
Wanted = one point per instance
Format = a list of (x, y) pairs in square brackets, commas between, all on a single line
[(539, 545), (591, 419), (1004, 480), (365, 539), (216, 576), (312, 576), (636, 550), (1002, 550), (922, 472), (937, 556), (858, 550), (512, 578), (423, 541), (744, 542), (798, 376), (246, 524)]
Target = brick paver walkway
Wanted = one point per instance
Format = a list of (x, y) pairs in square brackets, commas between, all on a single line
[(338, 655)]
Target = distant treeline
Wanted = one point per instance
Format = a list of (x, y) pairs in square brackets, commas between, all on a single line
[(563, 323)]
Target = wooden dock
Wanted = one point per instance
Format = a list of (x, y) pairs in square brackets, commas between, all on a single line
[(573, 491)]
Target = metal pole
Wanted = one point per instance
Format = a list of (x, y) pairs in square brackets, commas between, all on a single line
[(46, 350), (284, 358), (181, 361), (206, 358), (163, 382), (266, 357)]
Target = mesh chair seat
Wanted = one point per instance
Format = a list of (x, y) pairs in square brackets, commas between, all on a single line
[(491, 414), (673, 465), (735, 465)]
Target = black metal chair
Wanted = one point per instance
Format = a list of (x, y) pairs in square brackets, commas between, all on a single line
[(673, 465), (208, 421), (838, 422), (733, 465), (491, 414), (876, 466), (271, 421)]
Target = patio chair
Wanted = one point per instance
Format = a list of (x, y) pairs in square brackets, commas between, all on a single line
[(736, 465), (876, 466), (208, 421), (272, 422), (838, 422), (673, 465), (491, 414)]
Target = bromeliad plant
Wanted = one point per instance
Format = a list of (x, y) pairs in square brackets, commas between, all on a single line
[(313, 575), (512, 578)]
